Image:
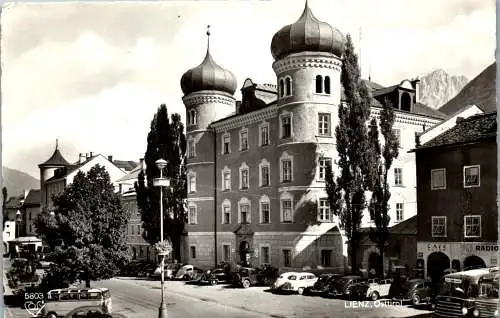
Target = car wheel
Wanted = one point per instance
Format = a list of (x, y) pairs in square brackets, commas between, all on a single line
[(374, 296), (186, 277), (246, 283), (416, 300), (213, 282), (300, 290), (51, 315)]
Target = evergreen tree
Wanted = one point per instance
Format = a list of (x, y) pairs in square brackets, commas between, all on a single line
[(346, 192), (166, 140), (381, 192), (87, 233)]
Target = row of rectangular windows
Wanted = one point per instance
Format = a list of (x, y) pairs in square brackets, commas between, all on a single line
[(324, 129), (471, 177), (264, 255), (286, 174), (472, 226)]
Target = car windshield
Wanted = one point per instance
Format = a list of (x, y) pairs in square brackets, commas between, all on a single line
[(458, 288)]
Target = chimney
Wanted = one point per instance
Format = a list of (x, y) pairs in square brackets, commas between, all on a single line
[(81, 157), (141, 163), (459, 120), (86, 155), (417, 139), (110, 158), (416, 85), (90, 155)]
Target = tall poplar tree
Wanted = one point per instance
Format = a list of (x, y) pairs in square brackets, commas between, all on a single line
[(166, 140), (381, 191), (346, 192)]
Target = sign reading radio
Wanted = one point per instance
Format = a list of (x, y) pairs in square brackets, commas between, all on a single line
[(487, 248)]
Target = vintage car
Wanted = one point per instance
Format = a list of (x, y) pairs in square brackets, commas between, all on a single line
[(294, 282), (245, 277), (170, 271), (322, 285), (340, 286), (216, 275), (416, 291), (372, 289), (189, 272)]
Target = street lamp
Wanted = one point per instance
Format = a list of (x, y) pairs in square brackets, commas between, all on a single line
[(162, 182), (18, 221)]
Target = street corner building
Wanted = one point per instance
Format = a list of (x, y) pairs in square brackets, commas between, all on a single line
[(457, 197), (256, 167)]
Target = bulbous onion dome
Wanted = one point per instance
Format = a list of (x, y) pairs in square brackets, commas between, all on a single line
[(208, 76), (307, 34)]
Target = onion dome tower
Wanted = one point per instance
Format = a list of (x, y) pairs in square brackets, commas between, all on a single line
[(208, 92), (47, 170), (307, 64)]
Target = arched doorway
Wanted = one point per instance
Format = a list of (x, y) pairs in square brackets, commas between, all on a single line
[(244, 253), (373, 262), (437, 262), (455, 264), (473, 262)]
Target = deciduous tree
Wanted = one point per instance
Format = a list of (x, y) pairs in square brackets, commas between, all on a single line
[(166, 140), (347, 190), (381, 191), (87, 233)]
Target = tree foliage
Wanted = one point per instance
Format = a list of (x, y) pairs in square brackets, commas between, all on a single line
[(87, 234), (4, 201), (346, 191), (379, 202), (166, 140)]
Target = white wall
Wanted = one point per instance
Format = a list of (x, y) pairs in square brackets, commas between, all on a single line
[(115, 173), (9, 231)]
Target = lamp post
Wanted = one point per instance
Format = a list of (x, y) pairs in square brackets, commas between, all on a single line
[(162, 182), (18, 221)]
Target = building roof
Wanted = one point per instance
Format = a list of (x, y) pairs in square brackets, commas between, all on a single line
[(471, 129), (56, 160), (33, 197), (408, 226), (132, 175), (127, 165), (14, 202)]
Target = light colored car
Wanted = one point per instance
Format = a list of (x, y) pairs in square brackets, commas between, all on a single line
[(379, 289), (169, 271), (189, 272), (295, 281)]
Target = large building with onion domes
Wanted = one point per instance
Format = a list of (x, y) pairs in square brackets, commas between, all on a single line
[(256, 167)]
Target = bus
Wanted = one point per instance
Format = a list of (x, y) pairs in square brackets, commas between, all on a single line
[(60, 302), (487, 301), (459, 292)]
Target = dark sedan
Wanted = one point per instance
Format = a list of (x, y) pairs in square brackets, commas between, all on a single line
[(323, 284), (340, 286), (216, 276), (416, 291)]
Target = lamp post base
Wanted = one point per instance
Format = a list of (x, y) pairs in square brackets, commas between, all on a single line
[(162, 311)]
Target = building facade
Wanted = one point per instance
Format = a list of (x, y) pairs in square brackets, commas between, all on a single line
[(139, 249), (457, 197), (256, 167)]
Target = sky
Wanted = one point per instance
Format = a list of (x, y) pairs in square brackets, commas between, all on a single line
[(92, 74)]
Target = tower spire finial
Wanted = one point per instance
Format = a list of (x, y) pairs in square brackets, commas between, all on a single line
[(208, 38), (57, 143)]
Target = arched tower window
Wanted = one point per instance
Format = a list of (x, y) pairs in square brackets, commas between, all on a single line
[(188, 119), (288, 83), (319, 84), (327, 84), (193, 117), (406, 102), (282, 87)]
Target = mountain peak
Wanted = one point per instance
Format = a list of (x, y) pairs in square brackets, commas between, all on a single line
[(17, 181), (438, 87)]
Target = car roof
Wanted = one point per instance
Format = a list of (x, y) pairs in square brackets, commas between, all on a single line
[(290, 273)]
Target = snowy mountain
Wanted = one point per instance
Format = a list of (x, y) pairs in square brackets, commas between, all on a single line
[(438, 87)]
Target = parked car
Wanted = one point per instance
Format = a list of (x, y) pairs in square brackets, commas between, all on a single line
[(138, 268), (416, 291), (189, 272), (216, 275), (245, 277), (372, 289), (322, 285), (295, 282), (340, 286), (169, 271)]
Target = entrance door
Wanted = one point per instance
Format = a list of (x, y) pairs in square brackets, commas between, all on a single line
[(473, 262), (244, 253), (437, 262), (373, 261)]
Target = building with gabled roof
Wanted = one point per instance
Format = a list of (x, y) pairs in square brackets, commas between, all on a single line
[(256, 167), (457, 177)]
